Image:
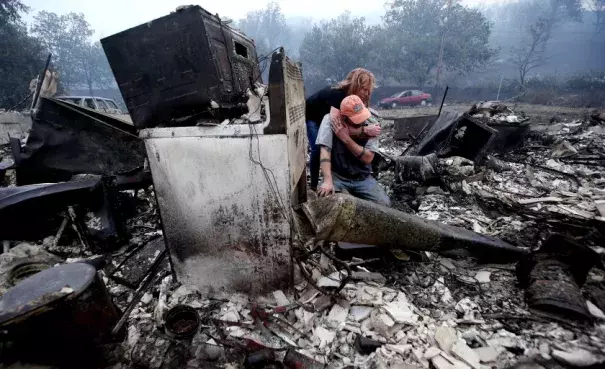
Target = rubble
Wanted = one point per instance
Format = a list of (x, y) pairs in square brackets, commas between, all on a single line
[(595, 311), (446, 338), (461, 351), (486, 354), (449, 299), (483, 276), (577, 358)]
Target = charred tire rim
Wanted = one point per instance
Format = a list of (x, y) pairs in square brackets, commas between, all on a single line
[(182, 322), (423, 103), (25, 270), (394, 106)]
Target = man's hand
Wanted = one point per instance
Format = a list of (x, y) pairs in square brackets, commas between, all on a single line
[(372, 130), (326, 188), (340, 130)]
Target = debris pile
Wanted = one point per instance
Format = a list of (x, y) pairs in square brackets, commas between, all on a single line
[(543, 186), (492, 257), (442, 312)]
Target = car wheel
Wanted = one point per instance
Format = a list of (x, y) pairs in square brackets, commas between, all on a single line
[(394, 105), (423, 103)]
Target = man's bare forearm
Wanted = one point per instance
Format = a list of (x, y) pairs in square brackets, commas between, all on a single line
[(357, 150), (325, 163)]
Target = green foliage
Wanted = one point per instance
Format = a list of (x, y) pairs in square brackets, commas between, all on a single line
[(21, 56), (593, 80), (10, 11), (598, 7), (571, 9), (407, 48), (416, 29), (267, 27), (532, 53), (332, 49), (78, 60)]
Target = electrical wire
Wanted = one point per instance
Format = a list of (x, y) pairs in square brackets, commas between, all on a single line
[(265, 60), (267, 173), (20, 102)]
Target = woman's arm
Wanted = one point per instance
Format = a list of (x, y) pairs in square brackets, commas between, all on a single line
[(335, 114)]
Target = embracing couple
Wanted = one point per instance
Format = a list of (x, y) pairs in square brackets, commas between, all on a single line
[(343, 138)]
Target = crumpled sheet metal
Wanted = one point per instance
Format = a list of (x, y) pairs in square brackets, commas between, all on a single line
[(345, 218), (67, 139), (552, 289), (553, 276)]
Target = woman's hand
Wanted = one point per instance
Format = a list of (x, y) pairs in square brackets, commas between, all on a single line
[(341, 130), (372, 130)]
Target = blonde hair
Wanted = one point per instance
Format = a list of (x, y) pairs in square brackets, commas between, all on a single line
[(357, 79)]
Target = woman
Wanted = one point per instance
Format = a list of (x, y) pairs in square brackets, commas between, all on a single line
[(358, 82)]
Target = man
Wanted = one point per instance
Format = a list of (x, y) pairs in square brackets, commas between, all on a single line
[(346, 154)]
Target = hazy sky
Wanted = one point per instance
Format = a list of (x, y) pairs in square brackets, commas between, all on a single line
[(111, 16)]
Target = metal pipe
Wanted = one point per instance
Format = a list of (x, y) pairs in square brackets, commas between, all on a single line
[(419, 135), (349, 219), (39, 86), (149, 277), (441, 106), (499, 87)]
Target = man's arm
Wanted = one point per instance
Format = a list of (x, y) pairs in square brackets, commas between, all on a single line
[(325, 163)]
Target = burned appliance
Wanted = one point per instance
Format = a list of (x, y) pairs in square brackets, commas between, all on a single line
[(179, 66), (455, 134), (225, 192)]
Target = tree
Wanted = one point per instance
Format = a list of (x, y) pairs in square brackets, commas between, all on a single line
[(21, 56), (598, 7), (10, 10), (416, 32), (78, 59), (332, 49), (267, 27), (532, 52), (94, 67), (532, 55)]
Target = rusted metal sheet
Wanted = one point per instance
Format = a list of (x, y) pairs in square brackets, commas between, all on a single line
[(67, 139), (404, 127), (455, 134), (288, 116), (225, 228)]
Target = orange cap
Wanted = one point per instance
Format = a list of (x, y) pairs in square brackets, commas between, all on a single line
[(353, 108)]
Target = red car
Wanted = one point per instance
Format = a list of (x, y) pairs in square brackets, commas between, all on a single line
[(406, 98)]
